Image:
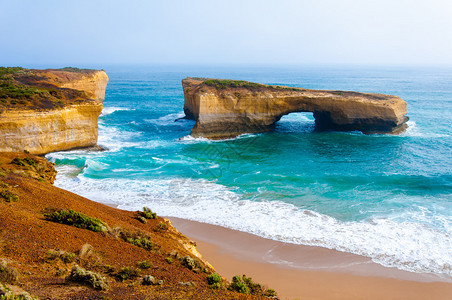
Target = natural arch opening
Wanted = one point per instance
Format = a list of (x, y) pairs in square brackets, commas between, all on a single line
[(296, 122)]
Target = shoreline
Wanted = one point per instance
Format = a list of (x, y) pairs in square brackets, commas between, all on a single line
[(308, 272)]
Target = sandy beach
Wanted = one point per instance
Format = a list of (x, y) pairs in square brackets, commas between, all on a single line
[(305, 272)]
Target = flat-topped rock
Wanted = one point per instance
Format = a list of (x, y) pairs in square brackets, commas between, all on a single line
[(42, 111), (227, 108)]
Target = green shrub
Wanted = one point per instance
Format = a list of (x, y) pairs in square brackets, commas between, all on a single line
[(89, 278), (246, 285), (145, 265), (143, 242), (64, 256), (147, 213), (79, 220), (8, 196), (128, 273), (8, 274), (169, 260), (215, 281), (161, 227), (68, 257), (7, 294), (24, 162), (193, 264)]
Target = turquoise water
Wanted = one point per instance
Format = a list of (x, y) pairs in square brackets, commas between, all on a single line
[(383, 196)]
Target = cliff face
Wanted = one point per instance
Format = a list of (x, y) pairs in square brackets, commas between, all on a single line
[(227, 108), (62, 115)]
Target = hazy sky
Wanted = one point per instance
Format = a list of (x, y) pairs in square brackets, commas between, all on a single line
[(84, 32)]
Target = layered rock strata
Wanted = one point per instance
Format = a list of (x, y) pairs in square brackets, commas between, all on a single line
[(227, 108), (70, 121)]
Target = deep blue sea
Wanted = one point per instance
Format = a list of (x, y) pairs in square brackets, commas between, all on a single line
[(387, 197)]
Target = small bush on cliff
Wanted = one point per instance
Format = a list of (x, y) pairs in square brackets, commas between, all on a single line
[(24, 162), (6, 193), (246, 285), (147, 213), (79, 220), (89, 278), (7, 294), (215, 281), (137, 238), (161, 227), (193, 264), (127, 273), (144, 265), (8, 274)]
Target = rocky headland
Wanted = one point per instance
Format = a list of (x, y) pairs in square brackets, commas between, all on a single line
[(50, 110), (228, 108)]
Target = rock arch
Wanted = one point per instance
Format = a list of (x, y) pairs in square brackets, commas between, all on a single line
[(227, 108)]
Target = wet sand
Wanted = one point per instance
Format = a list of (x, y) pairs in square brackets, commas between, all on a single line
[(305, 272)]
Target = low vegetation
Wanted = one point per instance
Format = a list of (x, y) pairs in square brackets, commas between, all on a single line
[(136, 238), (221, 84), (127, 273), (246, 285), (64, 256), (28, 88), (24, 162), (147, 213), (215, 281), (144, 265), (8, 274), (7, 294), (92, 279), (73, 218), (193, 264), (7, 194)]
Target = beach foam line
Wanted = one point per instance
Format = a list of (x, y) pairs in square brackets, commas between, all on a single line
[(406, 245)]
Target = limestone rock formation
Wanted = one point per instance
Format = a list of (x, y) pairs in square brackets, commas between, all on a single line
[(50, 110), (227, 108)]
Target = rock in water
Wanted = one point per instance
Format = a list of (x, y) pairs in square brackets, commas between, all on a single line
[(227, 108)]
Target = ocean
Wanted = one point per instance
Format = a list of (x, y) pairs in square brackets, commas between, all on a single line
[(387, 197)]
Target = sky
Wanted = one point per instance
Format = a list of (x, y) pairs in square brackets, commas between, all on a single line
[(264, 32)]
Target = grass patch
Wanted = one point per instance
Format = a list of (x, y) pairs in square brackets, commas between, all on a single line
[(64, 256), (147, 213), (137, 238), (79, 220), (161, 227), (246, 285), (8, 274), (215, 281), (144, 265), (127, 273), (223, 84), (193, 264), (6, 194), (24, 162), (89, 278), (7, 294)]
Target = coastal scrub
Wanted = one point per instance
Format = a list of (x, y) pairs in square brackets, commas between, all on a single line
[(79, 220)]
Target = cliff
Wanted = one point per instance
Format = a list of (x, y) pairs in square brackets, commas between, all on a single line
[(129, 257), (50, 110), (227, 108)]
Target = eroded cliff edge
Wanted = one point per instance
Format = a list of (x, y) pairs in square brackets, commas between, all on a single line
[(227, 108), (50, 110)]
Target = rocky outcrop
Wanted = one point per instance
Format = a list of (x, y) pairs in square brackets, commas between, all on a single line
[(68, 120), (227, 108)]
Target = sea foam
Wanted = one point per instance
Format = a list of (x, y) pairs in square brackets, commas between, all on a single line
[(405, 245)]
